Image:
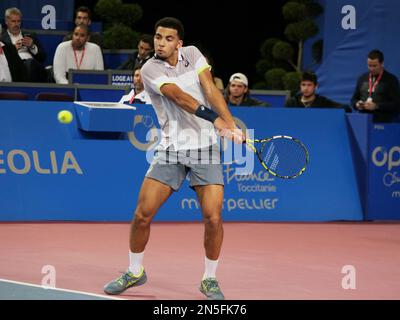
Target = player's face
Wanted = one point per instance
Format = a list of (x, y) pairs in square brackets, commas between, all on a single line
[(82, 18), (307, 88), (13, 23), (374, 66), (144, 49), (166, 42), (237, 89), (79, 38)]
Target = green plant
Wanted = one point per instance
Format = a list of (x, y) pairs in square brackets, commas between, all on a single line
[(287, 54), (291, 82), (274, 78), (119, 19), (120, 36)]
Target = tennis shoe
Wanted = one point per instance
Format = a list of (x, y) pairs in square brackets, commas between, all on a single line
[(210, 288), (125, 281)]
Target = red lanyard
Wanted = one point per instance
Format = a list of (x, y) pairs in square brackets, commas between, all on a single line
[(372, 86), (78, 66)]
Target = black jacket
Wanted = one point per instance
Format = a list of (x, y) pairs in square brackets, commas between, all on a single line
[(39, 57), (319, 102), (386, 96), (15, 64), (133, 62)]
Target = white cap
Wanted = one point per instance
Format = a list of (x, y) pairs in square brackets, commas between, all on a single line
[(239, 77)]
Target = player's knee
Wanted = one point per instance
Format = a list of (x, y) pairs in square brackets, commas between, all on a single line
[(213, 221), (143, 217)]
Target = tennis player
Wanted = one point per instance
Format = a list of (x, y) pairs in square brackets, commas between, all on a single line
[(181, 88)]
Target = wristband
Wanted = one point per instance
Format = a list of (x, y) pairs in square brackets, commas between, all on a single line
[(206, 114)]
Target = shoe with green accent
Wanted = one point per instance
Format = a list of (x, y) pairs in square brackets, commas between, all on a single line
[(210, 288), (126, 281)]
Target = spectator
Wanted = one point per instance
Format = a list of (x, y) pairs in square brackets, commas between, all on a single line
[(27, 45), (377, 91), (77, 53), (308, 98), (83, 15), (141, 96), (238, 92), (12, 68), (144, 52)]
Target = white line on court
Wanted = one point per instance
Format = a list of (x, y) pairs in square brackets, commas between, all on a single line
[(63, 290)]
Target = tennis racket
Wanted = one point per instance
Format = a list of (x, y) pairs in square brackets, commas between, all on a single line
[(282, 156)]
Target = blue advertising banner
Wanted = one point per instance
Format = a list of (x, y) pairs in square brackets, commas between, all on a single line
[(50, 171), (384, 173)]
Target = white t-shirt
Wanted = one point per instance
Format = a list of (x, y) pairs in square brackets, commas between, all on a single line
[(143, 97), (5, 75), (181, 129), (66, 58)]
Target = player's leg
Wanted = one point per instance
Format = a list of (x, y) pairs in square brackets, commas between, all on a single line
[(211, 198), (152, 195), (164, 176)]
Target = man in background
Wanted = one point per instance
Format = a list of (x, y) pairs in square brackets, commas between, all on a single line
[(78, 54), (141, 95), (83, 15), (144, 52), (238, 94), (27, 45), (377, 91), (308, 97)]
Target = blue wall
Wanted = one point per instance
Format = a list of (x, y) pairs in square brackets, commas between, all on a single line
[(50, 171), (352, 29)]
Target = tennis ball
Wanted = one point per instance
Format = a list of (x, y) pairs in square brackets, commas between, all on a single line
[(65, 116)]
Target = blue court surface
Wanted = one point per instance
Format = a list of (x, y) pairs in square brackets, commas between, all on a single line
[(13, 290)]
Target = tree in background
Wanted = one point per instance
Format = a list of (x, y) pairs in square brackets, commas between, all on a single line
[(280, 64), (119, 20)]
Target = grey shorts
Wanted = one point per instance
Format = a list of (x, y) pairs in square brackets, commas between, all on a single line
[(202, 166)]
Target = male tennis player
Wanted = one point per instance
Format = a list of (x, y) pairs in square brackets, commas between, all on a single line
[(181, 88)]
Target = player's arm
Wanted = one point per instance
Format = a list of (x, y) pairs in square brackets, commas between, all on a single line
[(181, 98), (215, 97), (188, 103)]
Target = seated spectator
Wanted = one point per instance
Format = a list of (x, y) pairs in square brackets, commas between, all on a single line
[(308, 98), (237, 93), (377, 91), (12, 68), (141, 96), (78, 54), (144, 52), (83, 15), (27, 45)]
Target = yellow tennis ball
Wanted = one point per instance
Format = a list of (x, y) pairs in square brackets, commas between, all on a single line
[(65, 116)]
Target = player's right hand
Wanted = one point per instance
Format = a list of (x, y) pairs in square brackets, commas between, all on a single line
[(229, 131)]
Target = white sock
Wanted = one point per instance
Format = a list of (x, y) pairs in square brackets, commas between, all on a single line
[(135, 262), (211, 268)]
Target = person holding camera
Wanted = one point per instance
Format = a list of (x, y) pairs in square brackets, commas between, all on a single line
[(28, 47), (377, 91)]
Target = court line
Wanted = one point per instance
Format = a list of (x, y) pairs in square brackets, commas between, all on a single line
[(59, 289)]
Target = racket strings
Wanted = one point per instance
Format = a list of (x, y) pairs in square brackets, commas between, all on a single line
[(285, 157)]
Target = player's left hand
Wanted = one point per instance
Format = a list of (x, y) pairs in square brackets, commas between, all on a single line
[(235, 134)]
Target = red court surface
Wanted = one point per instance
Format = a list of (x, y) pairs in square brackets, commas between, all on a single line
[(260, 261)]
